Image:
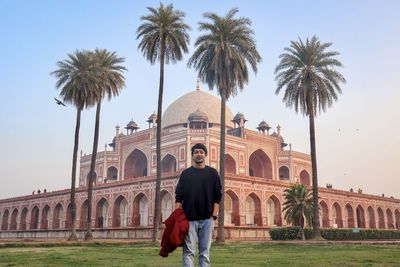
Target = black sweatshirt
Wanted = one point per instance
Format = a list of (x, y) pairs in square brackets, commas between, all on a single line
[(198, 189)]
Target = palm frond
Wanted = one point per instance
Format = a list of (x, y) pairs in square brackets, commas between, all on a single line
[(306, 70), (223, 52), (76, 79), (163, 26), (297, 205)]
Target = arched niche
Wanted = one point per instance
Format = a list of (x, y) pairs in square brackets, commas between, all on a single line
[(135, 165), (230, 164), (284, 173), (260, 165), (168, 164)]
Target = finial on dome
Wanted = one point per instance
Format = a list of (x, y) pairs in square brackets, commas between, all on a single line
[(198, 84)]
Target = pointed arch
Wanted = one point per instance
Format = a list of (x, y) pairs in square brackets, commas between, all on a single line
[(228, 204), (120, 216), (168, 164), (230, 164), (253, 210), (273, 211), (23, 220), (112, 173), (389, 216), (57, 216), (337, 216), (87, 179), (231, 208), (4, 221), (324, 211), (260, 165), (305, 178), (102, 213), (135, 164), (166, 204), (13, 222), (140, 215), (44, 222), (83, 215), (397, 216), (68, 221), (144, 211), (349, 216), (360, 217), (284, 173), (371, 218), (381, 218), (34, 223)]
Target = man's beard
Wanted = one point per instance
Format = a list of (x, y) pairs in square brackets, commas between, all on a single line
[(199, 160)]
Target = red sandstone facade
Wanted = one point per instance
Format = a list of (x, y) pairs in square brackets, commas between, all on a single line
[(258, 169)]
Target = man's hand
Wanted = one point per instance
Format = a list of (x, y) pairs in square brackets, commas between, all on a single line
[(215, 211), (178, 205)]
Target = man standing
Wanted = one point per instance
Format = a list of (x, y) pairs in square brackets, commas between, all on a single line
[(198, 194)]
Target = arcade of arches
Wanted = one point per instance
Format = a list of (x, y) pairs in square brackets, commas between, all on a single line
[(260, 165), (253, 211)]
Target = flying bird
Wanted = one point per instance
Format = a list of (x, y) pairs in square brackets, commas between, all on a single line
[(59, 102)]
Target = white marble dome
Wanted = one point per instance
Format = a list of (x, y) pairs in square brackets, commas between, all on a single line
[(178, 112)]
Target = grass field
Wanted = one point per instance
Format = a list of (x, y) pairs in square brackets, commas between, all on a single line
[(143, 254)]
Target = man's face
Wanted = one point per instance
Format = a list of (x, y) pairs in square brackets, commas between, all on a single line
[(199, 155)]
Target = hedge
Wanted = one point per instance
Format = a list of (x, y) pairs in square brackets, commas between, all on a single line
[(288, 233), (292, 233)]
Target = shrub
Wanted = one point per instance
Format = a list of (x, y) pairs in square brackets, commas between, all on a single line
[(362, 234), (293, 232), (289, 233)]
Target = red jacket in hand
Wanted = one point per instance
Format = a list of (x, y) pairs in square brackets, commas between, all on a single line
[(176, 227)]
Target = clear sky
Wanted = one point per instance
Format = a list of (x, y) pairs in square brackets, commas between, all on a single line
[(357, 139)]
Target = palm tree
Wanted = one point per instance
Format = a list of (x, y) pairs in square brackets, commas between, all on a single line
[(307, 71), (221, 59), (164, 38), (110, 81), (75, 78), (298, 206)]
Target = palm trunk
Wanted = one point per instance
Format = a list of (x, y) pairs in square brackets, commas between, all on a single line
[(92, 177), (157, 200), (302, 223), (221, 215), (315, 219), (73, 236)]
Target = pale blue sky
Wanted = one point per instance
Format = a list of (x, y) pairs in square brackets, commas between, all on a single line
[(37, 134)]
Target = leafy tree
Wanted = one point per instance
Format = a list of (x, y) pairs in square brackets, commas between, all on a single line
[(164, 38), (298, 206), (109, 82), (307, 72), (221, 58), (76, 77)]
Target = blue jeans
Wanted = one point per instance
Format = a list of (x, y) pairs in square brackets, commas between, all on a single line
[(201, 231)]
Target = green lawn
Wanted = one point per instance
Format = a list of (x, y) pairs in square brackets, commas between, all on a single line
[(268, 254)]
